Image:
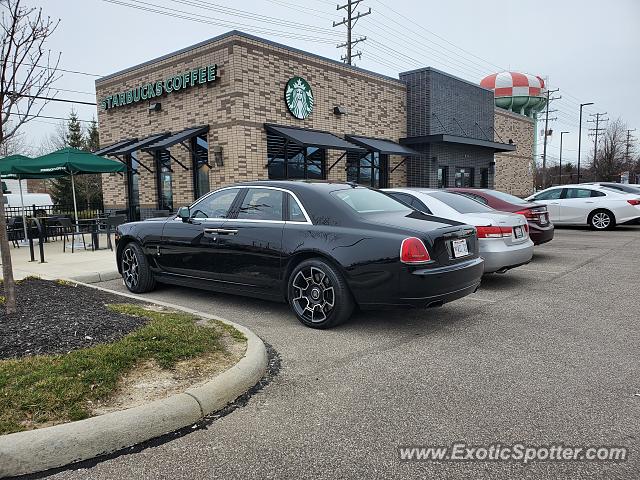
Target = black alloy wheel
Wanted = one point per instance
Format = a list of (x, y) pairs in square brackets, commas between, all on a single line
[(135, 269), (319, 295)]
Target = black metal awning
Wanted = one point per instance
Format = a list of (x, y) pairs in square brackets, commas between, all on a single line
[(386, 147), (115, 146), (139, 145), (312, 138), (174, 139), (445, 138)]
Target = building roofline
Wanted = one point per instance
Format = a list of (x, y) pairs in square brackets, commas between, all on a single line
[(431, 69), (248, 36)]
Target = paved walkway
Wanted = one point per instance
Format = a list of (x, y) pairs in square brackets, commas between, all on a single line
[(83, 265), (547, 353)]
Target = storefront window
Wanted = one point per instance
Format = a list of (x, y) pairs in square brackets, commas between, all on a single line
[(200, 154), (287, 160), (367, 169), (443, 173), (133, 187), (464, 177), (163, 169)]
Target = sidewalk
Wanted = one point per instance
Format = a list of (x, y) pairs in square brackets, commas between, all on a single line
[(85, 266)]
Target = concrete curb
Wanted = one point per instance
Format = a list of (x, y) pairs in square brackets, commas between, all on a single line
[(37, 450), (97, 277)]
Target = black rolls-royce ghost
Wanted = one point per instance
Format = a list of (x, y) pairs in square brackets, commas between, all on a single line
[(322, 247)]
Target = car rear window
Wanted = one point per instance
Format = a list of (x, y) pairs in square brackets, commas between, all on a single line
[(506, 197), (460, 203), (363, 200)]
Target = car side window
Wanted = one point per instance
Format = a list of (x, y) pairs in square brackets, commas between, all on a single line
[(418, 205), (216, 205), (261, 204), (578, 193), (595, 193), (295, 211), (549, 195)]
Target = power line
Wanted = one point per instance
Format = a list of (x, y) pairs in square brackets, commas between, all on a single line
[(51, 99), (597, 130), (48, 117), (176, 13), (57, 69)]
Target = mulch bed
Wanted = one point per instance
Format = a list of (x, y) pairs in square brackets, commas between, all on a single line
[(57, 318)]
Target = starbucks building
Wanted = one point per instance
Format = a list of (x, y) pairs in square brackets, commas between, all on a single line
[(238, 108)]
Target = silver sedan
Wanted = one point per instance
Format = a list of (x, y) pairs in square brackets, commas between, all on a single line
[(503, 237)]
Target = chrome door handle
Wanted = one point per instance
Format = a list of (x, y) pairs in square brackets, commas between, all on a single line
[(554, 203), (220, 231), (588, 202)]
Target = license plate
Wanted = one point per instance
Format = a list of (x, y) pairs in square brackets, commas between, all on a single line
[(518, 232), (460, 248), (543, 219)]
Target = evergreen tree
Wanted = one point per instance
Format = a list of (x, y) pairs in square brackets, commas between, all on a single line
[(93, 141), (61, 186)]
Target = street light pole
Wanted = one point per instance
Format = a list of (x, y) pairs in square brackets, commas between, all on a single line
[(560, 179), (580, 136)]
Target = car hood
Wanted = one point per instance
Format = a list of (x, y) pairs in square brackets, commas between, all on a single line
[(494, 218)]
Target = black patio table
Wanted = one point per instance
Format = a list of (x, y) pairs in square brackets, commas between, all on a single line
[(93, 227)]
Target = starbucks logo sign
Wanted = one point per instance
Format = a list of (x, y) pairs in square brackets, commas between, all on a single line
[(299, 97)]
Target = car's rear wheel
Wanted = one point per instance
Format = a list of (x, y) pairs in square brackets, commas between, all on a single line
[(319, 295), (602, 220), (136, 273)]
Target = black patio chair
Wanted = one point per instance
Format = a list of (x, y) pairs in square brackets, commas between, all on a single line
[(69, 230), (15, 231), (111, 225)]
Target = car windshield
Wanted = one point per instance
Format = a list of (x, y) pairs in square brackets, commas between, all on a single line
[(506, 197), (363, 200), (460, 203)]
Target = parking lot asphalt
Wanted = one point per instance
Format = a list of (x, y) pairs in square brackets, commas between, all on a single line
[(544, 354)]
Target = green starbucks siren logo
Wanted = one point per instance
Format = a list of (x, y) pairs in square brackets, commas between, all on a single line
[(299, 97)]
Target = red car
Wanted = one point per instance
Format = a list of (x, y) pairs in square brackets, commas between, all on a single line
[(540, 227)]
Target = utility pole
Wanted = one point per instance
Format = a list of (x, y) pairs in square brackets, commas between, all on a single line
[(582, 105), (350, 21), (561, 135), (546, 134), (628, 147), (595, 143)]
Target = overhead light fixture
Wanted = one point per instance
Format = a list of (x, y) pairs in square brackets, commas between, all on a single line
[(339, 110), (155, 107)]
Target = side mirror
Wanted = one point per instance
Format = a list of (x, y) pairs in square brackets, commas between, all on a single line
[(184, 214)]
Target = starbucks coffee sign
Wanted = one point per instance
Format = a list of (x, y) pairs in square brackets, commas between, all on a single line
[(299, 97), (148, 91)]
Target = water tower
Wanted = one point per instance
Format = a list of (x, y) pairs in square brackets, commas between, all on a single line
[(518, 92)]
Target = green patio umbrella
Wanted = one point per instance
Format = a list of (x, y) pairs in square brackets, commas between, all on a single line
[(6, 164), (67, 161)]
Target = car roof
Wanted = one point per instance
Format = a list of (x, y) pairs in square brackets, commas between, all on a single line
[(300, 185)]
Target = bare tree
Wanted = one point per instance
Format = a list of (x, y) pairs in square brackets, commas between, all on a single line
[(22, 78), (611, 152)]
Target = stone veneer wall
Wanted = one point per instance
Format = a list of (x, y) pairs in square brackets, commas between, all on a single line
[(514, 170), (249, 92)]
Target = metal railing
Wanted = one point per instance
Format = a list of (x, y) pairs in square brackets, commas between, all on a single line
[(53, 210)]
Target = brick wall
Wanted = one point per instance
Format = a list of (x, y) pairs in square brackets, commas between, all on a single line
[(514, 170), (248, 93)]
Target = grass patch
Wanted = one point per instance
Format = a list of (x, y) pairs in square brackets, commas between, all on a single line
[(233, 333), (57, 388)]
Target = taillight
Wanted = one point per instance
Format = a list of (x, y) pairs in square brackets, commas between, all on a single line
[(494, 232), (527, 213), (526, 227), (633, 202), (413, 251)]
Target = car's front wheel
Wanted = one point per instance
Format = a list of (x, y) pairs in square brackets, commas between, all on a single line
[(319, 295), (135, 269), (602, 220)]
